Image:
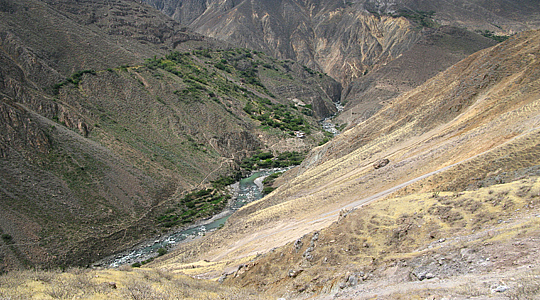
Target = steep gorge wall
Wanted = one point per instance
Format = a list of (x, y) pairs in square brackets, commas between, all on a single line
[(340, 39), (437, 50)]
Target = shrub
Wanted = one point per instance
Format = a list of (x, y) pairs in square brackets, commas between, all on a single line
[(267, 190), (8, 239), (493, 36), (270, 178), (162, 251)]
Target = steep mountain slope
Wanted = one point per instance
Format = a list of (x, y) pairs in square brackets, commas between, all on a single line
[(366, 45), (339, 39), (427, 245), (474, 125), (102, 132), (499, 16), (41, 160), (437, 50), (344, 38), (71, 36)]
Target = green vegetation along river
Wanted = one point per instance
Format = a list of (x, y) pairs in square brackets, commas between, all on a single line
[(247, 190)]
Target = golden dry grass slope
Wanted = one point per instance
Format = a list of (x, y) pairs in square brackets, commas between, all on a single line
[(476, 124), (126, 283), (449, 244)]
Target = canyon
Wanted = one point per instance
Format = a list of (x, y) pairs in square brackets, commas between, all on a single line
[(121, 122)]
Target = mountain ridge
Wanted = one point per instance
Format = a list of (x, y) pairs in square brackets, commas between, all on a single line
[(361, 44), (305, 27)]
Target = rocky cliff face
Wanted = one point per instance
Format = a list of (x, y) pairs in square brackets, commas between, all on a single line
[(343, 39), (340, 39)]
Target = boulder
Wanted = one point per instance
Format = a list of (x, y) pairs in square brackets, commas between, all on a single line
[(294, 273), (381, 163)]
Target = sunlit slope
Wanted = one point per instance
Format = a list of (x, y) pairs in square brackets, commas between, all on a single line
[(464, 241), (475, 124), (114, 284)]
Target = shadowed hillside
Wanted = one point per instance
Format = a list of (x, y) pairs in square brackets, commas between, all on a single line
[(105, 126)]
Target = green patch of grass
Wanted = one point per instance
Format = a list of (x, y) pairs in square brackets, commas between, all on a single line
[(276, 115), (75, 79), (7, 238), (267, 190), (162, 251), (193, 206), (78, 170), (327, 137), (269, 181), (324, 141), (493, 36), (268, 160), (422, 18), (224, 181)]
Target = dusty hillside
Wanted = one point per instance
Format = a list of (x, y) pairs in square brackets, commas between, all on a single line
[(453, 244), (474, 125), (104, 127)]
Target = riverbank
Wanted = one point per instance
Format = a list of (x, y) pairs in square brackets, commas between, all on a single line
[(246, 190)]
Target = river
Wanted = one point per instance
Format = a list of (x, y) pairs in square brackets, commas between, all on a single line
[(246, 190), (327, 124)]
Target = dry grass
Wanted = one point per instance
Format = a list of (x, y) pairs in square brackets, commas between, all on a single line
[(528, 286), (521, 285), (113, 284), (384, 234)]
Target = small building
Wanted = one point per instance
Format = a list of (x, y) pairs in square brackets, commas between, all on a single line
[(300, 134)]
